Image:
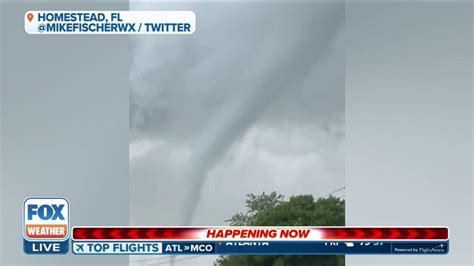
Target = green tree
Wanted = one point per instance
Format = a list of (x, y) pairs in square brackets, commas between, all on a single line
[(273, 210)]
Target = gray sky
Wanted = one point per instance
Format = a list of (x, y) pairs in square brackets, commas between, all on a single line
[(251, 105)]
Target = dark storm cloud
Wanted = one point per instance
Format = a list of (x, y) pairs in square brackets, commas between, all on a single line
[(245, 65)]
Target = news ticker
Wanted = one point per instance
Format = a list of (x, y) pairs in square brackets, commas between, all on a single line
[(258, 248), (46, 230), (259, 240), (110, 22)]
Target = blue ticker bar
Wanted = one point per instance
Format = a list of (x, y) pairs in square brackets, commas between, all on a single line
[(272, 248)]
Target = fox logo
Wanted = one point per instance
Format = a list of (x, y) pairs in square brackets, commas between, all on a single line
[(46, 218), (46, 212)]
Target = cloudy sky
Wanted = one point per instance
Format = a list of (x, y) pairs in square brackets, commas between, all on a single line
[(253, 101)]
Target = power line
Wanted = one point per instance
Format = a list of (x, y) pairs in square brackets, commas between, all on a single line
[(161, 258), (337, 190), (178, 260), (151, 259)]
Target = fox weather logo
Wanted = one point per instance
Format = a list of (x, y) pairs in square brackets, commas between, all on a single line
[(46, 226)]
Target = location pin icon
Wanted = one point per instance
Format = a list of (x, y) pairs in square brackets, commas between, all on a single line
[(29, 16)]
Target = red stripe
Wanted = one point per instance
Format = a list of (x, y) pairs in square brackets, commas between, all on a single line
[(337, 233)]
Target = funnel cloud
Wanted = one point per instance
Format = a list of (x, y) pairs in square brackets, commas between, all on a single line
[(253, 101)]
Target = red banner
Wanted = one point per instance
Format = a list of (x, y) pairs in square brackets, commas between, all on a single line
[(260, 233)]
